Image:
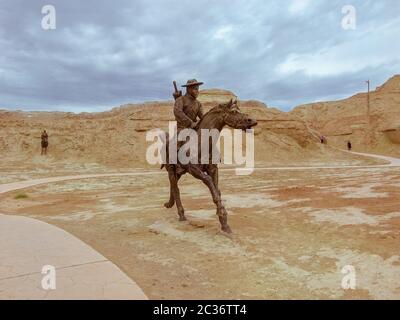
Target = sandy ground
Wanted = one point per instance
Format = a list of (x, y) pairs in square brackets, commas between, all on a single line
[(294, 230), (20, 169), (14, 169)]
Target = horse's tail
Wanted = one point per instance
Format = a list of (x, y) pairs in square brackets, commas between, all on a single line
[(164, 140)]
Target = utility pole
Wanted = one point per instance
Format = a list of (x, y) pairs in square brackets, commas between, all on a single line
[(368, 115), (368, 98)]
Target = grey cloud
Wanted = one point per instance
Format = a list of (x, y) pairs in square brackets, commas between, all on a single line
[(106, 53)]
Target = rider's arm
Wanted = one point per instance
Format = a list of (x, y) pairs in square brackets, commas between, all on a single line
[(200, 114)]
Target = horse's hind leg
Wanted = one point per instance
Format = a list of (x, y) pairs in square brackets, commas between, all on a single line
[(196, 172), (175, 194), (170, 203), (171, 200)]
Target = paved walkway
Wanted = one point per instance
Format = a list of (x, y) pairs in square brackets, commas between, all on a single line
[(392, 162), (6, 187), (26, 245)]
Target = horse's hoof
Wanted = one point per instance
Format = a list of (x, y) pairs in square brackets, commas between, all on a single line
[(169, 205), (182, 218), (226, 229)]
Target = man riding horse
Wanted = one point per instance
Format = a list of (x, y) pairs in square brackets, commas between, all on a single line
[(186, 110)]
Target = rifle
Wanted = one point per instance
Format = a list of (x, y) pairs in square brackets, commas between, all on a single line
[(177, 92)]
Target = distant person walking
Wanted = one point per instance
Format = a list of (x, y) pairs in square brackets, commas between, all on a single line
[(45, 142), (348, 145)]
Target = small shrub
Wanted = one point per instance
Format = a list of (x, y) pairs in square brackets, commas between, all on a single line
[(21, 196)]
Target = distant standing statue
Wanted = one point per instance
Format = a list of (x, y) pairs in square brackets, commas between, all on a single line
[(349, 145), (45, 142)]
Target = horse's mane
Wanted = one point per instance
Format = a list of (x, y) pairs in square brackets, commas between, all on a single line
[(214, 110)]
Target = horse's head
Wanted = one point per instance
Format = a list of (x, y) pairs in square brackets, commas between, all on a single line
[(234, 118)]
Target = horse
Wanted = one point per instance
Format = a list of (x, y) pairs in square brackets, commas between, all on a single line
[(225, 114)]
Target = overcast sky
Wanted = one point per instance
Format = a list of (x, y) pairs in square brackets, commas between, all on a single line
[(106, 53)]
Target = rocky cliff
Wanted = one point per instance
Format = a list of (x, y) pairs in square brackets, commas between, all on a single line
[(117, 137), (371, 126)]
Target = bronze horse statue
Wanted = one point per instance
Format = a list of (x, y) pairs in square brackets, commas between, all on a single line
[(227, 114)]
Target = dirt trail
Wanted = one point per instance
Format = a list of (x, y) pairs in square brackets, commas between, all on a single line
[(7, 187)]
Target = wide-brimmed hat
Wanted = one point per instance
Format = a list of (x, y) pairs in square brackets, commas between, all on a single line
[(192, 82)]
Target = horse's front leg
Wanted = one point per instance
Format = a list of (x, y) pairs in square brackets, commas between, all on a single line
[(197, 172), (212, 170)]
